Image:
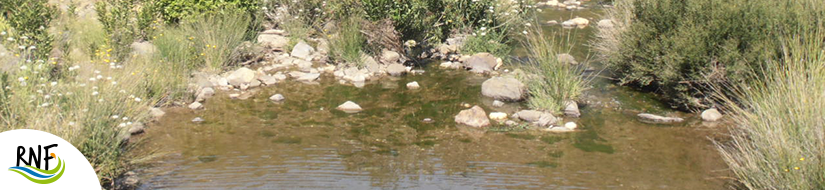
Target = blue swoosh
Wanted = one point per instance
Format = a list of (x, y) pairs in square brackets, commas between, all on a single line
[(31, 172)]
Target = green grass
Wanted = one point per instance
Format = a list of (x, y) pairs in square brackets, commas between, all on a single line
[(346, 46), (550, 83), (778, 141)]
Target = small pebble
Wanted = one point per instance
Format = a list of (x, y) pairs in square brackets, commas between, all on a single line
[(197, 120)]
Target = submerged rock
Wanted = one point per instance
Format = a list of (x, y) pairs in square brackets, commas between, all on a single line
[(497, 103), (308, 77), (277, 97), (650, 118), (349, 107), (268, 80), (503, 88), (197, 120), (536, 117), (474, 117), (711, 115)]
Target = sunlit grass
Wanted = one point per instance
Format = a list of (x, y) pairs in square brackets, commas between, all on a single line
[(550, 82)]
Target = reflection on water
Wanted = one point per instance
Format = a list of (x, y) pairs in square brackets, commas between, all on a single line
[(304, 143)]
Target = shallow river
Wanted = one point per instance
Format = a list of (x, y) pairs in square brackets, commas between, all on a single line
[(304, 143)]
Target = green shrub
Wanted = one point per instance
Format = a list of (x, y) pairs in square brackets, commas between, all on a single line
[(174, 11), (778, 142), (124, 24), (29, 19), (672, 46), (494, 43)]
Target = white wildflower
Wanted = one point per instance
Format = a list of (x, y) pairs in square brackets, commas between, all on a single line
[(137, 99), (95, 93), (115, 116)]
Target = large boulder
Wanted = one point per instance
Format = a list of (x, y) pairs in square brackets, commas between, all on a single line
[(481, 63), (242, 76), (605, 23), (274, 39), (390, 57), (711, 115), (303, 51), (651, 118), (474, 117), (503, 88)]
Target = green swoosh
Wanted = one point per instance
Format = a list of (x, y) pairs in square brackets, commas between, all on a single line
[(44, 181), (52, 171)]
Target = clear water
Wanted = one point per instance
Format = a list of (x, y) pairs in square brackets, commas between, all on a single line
[(304, 143)]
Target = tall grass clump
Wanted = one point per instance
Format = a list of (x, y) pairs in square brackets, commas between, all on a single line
[(779, 138), (550, 82), (346, 45), (672, 46), (204, 41)]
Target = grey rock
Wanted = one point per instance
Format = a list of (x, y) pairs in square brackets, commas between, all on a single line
[(136, 128), (197, 120), (497, 103), (302, 50), (503, 88), (274, 40), (651, 118), (567, 59), (205, 93), (267, 79), (349, 107), (481, 63), (241, 76), (308, 77), (413, 85), (571, 109), (536, 117), (711, 115), (605, 23), (396, 69), (195, 106), (277, 97), (390, 57), (474, 117), (156, 113)]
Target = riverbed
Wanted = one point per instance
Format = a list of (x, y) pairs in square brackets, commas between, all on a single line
[(407, 139)]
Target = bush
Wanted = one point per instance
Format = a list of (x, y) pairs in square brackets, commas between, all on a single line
[(173, 11), (29, 19), (778, 139), (672, 46), (550, 82), (123, 25)]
